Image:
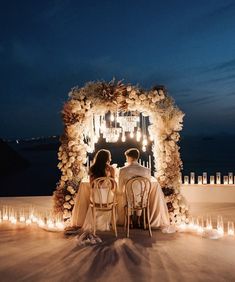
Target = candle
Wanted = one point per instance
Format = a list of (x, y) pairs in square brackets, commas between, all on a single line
[(186, 180), (204, 177), (212, 179), (199, 179), (150, 163), (230, 178), (220, 225), (225, 179), (218, 178), (192, 178), (230, 228), (208, 223)]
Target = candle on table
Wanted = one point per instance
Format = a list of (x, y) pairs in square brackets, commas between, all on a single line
[(220, 225), (208, 223), (230, 228), (204, 177), (186, 179), (212, 179), (150, 163), (230, 178), (218, 178), (192, 178), (199, 179), (226, 179)]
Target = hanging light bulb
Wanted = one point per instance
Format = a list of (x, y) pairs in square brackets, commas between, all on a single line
[(123, 137), (138, 135), (144, 148), (112, 117), (132, 134), (145, 141)]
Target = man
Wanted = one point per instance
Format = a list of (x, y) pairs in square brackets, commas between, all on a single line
[(132, 169)]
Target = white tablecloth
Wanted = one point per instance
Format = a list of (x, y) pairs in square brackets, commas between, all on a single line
[(158, 209)]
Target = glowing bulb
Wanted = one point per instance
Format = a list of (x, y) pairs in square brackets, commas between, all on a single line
[(123, 138), (145, 142), (112, 117), (132, 134), (144, 149), (151, 138), (138, 135)]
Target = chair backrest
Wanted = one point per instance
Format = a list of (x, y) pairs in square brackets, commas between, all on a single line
[(137, 192), (103, 192)]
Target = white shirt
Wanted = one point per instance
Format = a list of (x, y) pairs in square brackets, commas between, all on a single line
[(131, 170)]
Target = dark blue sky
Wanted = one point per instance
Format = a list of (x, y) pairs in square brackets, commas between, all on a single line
[(47, 47)]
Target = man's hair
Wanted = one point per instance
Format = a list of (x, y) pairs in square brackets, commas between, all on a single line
[(133, 153)]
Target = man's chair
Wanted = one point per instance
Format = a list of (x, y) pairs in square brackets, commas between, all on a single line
[(137, 200), (103, 198)]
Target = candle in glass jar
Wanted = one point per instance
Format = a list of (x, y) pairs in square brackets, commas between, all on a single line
[(230, 178), (199, 179), (218, 178), (204, 178), (212, 179), (186, 180), (231, 228), (192, 178), (225, 179)]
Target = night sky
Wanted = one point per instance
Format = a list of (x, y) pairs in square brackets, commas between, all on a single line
[(47, 47)]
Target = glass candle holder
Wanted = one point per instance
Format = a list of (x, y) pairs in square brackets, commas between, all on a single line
[(209, 223), (192, 178), (220, 225), (199, 180), (204, 178), (230, 228), (225, 179), (186, 180), (212, 179), (218, 178), (230, 178)]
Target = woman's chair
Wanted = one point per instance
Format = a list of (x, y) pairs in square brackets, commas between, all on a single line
[(103, 198), (137, 200)]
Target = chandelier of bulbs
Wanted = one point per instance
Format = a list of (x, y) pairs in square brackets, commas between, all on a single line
[(112, 126)]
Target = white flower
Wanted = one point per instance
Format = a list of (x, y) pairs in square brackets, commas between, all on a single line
[(71, 190), (67, 197), (142, 97), (66, 205)]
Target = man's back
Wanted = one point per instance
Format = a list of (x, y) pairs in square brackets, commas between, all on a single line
[(130, 171)]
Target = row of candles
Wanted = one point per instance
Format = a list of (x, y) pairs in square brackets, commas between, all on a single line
[(31, 216), (201, 225), (203, 179)]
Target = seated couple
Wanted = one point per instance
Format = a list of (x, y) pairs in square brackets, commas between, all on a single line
[(82, 213)]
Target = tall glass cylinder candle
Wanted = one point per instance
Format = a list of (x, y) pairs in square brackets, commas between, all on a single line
[(186, 179), (231, 228), (218, 178), (204, 178), (225, 179), (212, 179), (199, 180), (230, 178), (192, 178)]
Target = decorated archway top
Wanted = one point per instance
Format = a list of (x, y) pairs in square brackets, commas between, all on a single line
[(101, 97)]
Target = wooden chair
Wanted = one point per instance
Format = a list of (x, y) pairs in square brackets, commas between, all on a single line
[(103, 198), (137, 191)]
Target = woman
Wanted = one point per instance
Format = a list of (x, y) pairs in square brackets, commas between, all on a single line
[(101, 166)]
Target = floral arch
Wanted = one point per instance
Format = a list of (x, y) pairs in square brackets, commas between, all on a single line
[(100, 97)]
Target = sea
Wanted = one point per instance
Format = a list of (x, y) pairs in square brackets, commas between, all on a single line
[(199, 154)]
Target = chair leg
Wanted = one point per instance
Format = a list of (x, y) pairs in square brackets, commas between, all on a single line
[(144, 217), (114, 221), (128, 223), (149, 225), (94, 220)]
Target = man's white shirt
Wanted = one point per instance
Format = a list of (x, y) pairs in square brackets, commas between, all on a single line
[(131, 170)]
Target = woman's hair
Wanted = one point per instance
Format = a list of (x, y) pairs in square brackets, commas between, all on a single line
[(99, 163)]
